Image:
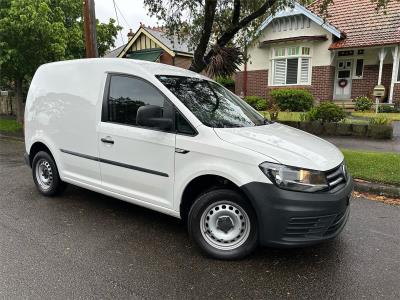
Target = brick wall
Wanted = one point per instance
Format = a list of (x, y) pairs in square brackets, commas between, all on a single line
[(322, 82), (257, 83), (323, 78), (166, 58), (396, 94), (183, 61), (365, 86)]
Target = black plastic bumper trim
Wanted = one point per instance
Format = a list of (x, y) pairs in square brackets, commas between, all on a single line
[(115, 163), (27, 159), (275, 208)]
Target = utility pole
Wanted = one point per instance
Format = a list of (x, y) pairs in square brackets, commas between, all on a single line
[(89, 19)]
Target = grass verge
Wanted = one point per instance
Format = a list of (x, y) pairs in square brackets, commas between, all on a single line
[(377, 167), (391, 116), (296, 116), (7, 125)]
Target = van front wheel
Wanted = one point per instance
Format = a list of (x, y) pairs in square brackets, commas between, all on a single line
[(223, 224), (45, 175)]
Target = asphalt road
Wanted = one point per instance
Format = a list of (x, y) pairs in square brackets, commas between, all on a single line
[(85, 245)]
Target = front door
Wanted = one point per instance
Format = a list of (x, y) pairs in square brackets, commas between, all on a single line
[(135, 161), (343, 79)]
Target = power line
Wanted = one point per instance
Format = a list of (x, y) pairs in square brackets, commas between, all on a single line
[(116, 15), (122, 15)]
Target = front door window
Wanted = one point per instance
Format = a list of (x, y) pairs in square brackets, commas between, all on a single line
[(343, 80)]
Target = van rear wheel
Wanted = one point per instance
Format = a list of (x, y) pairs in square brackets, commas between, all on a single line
[(45, 175), (223, 224)]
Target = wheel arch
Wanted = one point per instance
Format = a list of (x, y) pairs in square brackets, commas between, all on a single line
[(203, 183), (37, 147)]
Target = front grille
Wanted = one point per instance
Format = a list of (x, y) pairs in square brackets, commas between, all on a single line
[(314, 227), (336, 178)]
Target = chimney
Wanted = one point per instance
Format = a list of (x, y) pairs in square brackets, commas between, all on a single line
[(130, 34)]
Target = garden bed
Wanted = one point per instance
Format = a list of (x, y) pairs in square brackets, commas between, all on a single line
[(344, 129)]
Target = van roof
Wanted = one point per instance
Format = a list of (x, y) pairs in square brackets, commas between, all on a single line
[(121, 64)]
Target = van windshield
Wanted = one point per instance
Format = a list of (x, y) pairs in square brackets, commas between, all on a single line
[(211, 103)]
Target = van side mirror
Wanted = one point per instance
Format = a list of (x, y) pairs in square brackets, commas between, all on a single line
[(151, 116)]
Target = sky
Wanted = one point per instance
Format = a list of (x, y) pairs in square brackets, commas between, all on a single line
[(130, 14)]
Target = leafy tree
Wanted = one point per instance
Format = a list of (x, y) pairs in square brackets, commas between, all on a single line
[(219, 27), (41, 31)]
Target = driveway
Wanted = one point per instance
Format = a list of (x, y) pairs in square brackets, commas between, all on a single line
[(85, 245)]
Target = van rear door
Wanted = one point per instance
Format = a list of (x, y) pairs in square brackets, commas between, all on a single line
[(135, 161)]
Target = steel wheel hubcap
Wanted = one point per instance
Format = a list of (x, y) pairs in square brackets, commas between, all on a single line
[(44, 174), (225, 225)]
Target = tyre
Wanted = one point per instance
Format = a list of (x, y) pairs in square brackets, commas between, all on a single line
[(45, 175), (223, 224)]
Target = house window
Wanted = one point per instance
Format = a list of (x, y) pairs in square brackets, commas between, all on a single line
[(305, 50), (279, 52), (293, 51), (290, 67), (359, 68)]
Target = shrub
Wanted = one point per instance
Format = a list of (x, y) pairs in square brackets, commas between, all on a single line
[(225, 81), (253, 100), (261, 104), (293, 99), (311, 115), (380, 120), (273, 110), (387, 108), (363, 103), (397, 105), (326, 112)]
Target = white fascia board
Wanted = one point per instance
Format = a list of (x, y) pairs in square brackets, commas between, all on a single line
[(301, 10)]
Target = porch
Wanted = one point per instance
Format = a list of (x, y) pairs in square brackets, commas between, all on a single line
[(358, 71)]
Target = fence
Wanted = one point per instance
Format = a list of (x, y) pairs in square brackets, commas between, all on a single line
[(7, 105)]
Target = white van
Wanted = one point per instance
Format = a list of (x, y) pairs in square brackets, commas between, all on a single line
[(179, 143)]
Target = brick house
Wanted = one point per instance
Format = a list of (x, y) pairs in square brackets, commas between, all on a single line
[(340, 58), (153, 44)]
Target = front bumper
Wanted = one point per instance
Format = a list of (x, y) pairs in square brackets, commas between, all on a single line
[(294, 219), (27, 159)]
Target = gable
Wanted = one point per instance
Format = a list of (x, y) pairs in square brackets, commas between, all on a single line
[(297, 17), (143, 40)]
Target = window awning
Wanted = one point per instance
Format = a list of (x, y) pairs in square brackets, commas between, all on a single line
[(147, 54)]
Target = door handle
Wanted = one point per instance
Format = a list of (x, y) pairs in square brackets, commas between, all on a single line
[(107, 140), (181, 151)]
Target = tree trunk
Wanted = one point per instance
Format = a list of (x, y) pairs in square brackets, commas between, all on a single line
[(198, 63), (200, 59), (19, 101)]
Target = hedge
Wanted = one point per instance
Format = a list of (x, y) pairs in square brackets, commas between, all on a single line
[(292, 99), (344, 129)]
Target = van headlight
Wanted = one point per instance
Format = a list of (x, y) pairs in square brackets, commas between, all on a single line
[(295, 179)]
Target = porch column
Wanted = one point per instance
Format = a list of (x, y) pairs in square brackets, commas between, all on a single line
[(382, 55), (395, 55)]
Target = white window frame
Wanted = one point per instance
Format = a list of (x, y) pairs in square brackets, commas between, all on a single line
[(300, 56)]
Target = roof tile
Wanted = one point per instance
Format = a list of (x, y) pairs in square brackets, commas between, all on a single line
[(361, 23)]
